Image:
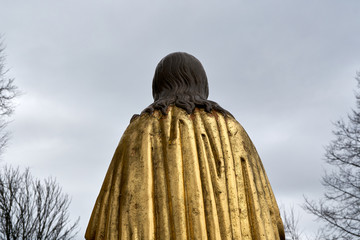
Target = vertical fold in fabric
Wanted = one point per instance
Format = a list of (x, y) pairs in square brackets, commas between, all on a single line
[(181, 176)]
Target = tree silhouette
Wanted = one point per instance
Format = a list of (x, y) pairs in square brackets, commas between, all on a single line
[(339, 208), (33, 209), (8, 91)]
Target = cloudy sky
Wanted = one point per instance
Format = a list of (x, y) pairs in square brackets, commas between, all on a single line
[(284, 69)]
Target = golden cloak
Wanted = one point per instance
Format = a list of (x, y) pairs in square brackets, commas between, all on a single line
[(185, 176)]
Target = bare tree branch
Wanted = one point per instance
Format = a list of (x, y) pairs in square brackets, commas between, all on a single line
[(291, 227), (339, 208), (33, 209), (8, 91)]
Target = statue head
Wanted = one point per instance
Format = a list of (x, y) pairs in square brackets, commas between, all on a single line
[(180, 80), (180, 73)]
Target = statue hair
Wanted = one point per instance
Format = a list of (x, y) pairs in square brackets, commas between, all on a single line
[(180, 80)]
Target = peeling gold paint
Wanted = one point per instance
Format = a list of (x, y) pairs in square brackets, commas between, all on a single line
[(185, 177)]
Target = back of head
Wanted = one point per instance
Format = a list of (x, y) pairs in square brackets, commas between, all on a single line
[(180, 80), (178, 74)]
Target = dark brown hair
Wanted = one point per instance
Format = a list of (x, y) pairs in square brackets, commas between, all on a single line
[(180, 80)]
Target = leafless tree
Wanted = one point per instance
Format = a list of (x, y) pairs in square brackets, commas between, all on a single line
[(8, 91), (291, 221), (339, 208), (33, 209), (29, 208)]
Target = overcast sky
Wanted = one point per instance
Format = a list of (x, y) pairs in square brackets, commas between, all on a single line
[(284, 69)]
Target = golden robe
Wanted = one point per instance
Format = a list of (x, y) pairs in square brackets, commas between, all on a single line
[(184, 176)]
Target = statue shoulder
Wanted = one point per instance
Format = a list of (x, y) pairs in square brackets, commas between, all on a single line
[(134, 117)]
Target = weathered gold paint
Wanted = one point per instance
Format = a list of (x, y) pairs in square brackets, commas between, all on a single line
[(185, 176)]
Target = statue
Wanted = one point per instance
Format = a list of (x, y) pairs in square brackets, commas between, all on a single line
[(185, 169)]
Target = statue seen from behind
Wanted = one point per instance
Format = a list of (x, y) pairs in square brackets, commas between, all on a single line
[(185, 169)]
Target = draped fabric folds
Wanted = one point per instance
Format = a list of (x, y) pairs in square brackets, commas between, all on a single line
[(184, 176)]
